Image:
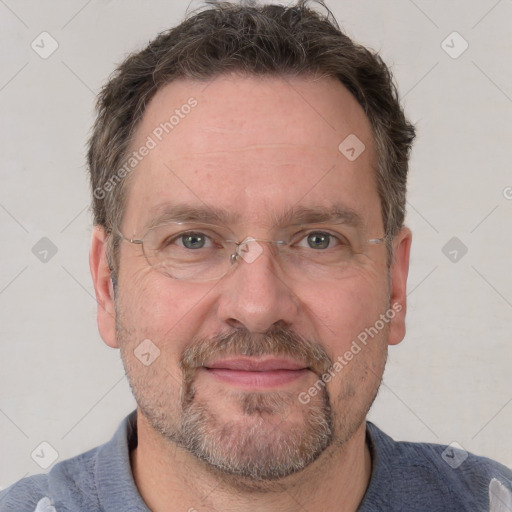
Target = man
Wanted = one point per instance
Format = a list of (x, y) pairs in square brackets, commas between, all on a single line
[(249, 258)]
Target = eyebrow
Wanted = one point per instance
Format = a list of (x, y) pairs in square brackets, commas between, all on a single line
[(168, 212), (337, 213)]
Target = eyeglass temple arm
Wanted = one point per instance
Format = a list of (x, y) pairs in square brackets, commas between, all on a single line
[(130, 240)]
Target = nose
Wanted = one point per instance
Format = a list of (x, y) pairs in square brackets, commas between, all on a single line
[(255, 293)]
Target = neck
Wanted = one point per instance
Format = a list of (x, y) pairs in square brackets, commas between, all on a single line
[(168, 478)]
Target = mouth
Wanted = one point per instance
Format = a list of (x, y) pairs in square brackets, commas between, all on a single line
[(256, 373)]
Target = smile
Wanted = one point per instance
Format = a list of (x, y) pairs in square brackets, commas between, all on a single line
[(256, 373)]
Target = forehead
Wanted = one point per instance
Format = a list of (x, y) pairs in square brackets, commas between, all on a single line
[(253, 145)]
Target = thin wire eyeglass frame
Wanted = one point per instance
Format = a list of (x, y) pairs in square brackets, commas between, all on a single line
[(233, 258)]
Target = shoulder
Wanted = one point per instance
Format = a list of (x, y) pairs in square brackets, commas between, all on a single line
[(24, 495), (70, 480), (102, 474), (424, 476)]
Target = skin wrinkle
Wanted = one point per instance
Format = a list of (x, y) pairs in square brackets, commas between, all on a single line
[(252, 147)]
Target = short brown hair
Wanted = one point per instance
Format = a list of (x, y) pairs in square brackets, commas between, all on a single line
[(259, 40)]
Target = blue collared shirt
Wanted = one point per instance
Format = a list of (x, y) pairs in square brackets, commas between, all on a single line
[(406, 476)]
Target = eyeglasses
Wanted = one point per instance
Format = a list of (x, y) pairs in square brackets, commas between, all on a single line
[(190, 251)]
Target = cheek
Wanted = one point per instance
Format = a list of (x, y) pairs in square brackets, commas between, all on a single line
[(343, 315), (166, 311), (342, 309)]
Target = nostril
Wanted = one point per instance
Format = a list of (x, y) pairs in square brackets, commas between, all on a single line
[(235, 324)]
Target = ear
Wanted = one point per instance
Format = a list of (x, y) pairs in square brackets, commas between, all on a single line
[(398, 276), (103, 286)]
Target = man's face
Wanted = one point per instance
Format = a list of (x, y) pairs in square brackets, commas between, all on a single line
[(237, 352)]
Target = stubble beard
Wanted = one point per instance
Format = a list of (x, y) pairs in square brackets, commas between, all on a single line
[(262, 444), (265, 442)]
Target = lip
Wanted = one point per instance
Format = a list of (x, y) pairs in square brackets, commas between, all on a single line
[(256, 374), (251, 364)]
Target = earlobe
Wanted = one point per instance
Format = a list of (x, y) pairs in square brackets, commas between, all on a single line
[(398, 292), (104, 286)]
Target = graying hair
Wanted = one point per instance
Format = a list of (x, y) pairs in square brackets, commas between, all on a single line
[(250, 39)]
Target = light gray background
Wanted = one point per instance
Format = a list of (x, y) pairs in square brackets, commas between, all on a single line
[(448, 381)]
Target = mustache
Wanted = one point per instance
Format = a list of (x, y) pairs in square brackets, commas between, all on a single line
[(279, 340)]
